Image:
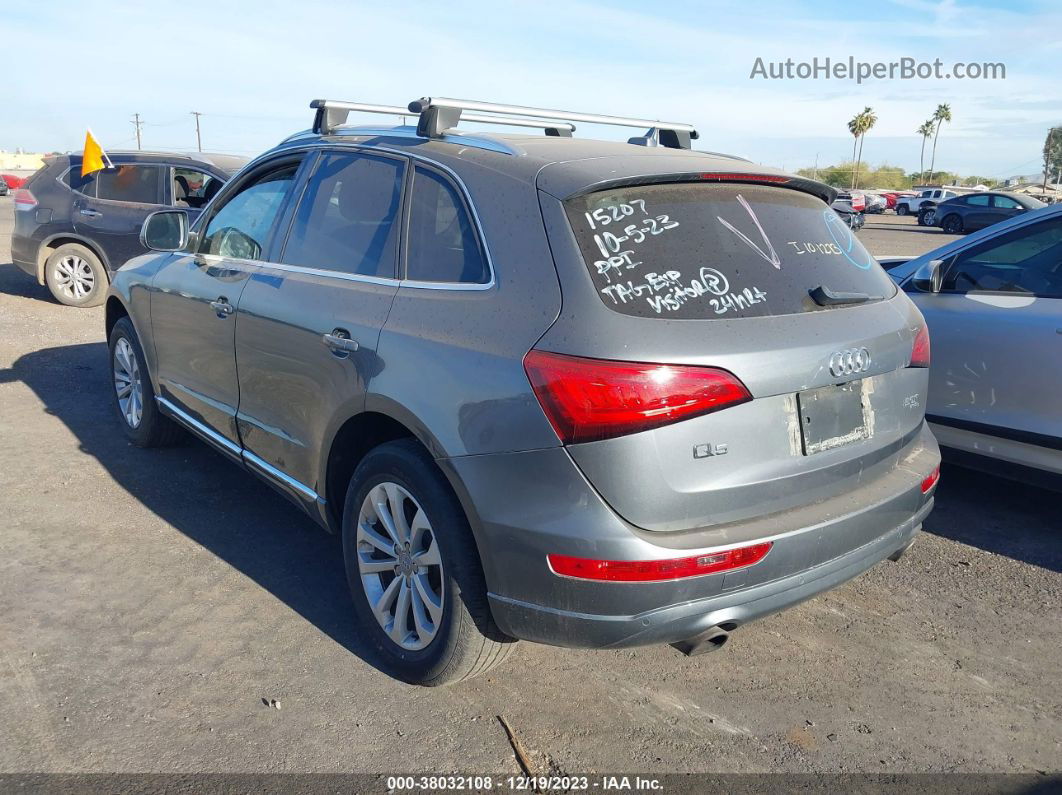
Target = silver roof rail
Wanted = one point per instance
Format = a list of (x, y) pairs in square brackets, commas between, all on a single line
[(333, 113), (438, 114)]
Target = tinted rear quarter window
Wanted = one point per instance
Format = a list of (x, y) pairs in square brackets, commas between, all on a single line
[(85, 185), (442, 245), (135, 184), (704, 251)]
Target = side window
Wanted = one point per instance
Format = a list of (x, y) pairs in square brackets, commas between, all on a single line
[(978, 201), (193, 188), (85, 185), (1026, 261), (347, 217), (241, 228), (442, 244), (1005, 203), (130, 183)]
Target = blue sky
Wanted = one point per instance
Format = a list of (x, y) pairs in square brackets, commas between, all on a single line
[(252, 67)]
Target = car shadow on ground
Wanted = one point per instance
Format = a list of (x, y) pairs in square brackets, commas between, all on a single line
[(14, 281), (1001, 516), (220, 506)]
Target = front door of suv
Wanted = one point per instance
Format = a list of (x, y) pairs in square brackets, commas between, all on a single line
[(309, 322), (195, 295)]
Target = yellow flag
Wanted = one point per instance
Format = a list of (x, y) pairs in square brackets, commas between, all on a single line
[(94, 155)]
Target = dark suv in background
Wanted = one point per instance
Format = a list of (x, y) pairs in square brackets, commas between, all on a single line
[(72, 232)]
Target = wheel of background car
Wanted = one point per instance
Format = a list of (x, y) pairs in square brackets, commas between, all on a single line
[(134, 398), (902, 209), (75, 276), (952, 225), (414, 571)]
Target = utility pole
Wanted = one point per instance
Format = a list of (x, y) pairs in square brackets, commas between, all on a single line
[(198, 139), (816, 165), (138, 124)]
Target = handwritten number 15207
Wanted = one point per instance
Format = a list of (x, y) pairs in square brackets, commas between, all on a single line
[(603, 216)]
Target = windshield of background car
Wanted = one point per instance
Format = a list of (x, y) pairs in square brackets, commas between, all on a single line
[(703, 251)]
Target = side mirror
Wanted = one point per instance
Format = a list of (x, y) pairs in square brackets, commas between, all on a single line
[(929, 277), (165, 230)]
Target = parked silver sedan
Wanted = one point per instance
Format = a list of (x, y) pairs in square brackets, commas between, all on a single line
[(993, 302)]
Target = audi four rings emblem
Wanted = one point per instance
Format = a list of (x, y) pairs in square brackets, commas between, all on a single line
[(847, 362)]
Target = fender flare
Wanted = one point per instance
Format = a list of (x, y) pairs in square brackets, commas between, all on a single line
[(45, 245)]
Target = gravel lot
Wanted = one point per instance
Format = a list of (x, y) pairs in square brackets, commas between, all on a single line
[(155, 603)]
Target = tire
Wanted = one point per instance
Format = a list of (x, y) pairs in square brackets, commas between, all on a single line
[(75, 276), (902, 209), (456, 640), (952, 225), (129, 374)]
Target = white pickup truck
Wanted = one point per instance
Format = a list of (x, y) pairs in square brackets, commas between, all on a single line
[(906, 205)]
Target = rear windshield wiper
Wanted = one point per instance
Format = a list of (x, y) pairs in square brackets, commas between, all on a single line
[(824, 296)]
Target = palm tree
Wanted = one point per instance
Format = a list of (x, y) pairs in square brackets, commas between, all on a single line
[(925, 131), (869, 119), (941, 115), (855, 127)]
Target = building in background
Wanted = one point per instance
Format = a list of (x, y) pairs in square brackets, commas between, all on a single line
[(21, 161)]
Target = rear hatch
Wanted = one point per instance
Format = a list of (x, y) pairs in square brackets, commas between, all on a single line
[(758, 292)]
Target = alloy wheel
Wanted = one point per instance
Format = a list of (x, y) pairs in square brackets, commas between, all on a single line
[(400, 566), (74, 277), (127, 383)]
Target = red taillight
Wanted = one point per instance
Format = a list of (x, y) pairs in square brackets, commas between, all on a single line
[(24, 200), (727, 177), (931, 480), (591, 399), (655, 570), (920, 349)]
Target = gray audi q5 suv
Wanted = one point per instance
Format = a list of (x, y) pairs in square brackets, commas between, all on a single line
[(578, 392)]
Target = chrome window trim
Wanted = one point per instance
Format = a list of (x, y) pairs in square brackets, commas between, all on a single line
[(328, 274), (198, 426), (270, 470), (322, 144)]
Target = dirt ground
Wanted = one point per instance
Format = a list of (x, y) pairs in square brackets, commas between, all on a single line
[(155, 603)]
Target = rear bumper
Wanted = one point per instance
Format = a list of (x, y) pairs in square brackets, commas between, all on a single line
[(24, 251), (673, 623), (537, 503)]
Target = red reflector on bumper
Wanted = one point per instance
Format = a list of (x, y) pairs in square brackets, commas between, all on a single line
[(931, 480), (658, 570)]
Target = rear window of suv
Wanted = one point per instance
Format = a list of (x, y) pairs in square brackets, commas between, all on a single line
[(703, 251)]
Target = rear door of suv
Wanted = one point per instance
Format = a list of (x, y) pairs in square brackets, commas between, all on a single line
[(310, 319)]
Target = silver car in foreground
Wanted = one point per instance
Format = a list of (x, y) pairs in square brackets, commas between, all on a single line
[(578, 392), (993, 302)]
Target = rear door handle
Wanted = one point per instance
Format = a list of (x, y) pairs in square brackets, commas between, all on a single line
[(222, 308), (91, 213), (340, 342)]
